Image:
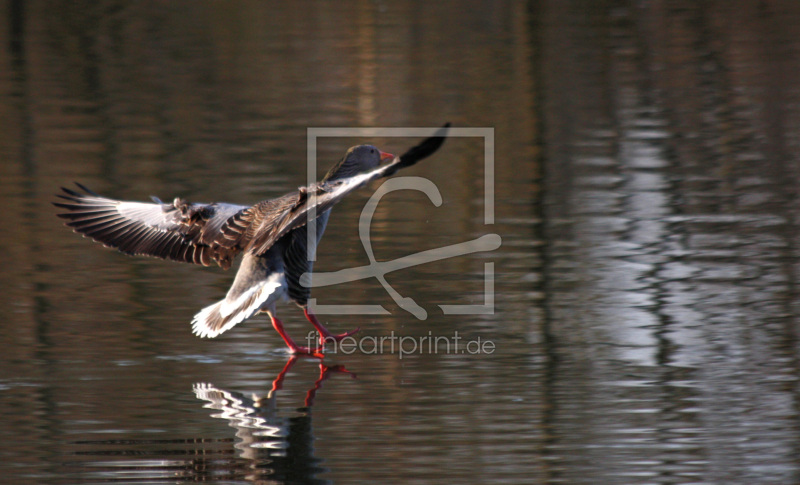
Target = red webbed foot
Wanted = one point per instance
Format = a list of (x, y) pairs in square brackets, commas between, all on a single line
[(293, 347)]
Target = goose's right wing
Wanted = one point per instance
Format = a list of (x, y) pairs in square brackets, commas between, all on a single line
[(259, 227)]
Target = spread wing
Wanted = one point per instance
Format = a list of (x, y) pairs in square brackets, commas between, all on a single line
[(180, 231), (215, 233), (257, 228)]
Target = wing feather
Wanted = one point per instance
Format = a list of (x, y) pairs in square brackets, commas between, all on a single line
[(258, 228), (215, 233), (180, 231)]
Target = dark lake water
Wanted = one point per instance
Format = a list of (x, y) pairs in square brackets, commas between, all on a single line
[(643, 176)]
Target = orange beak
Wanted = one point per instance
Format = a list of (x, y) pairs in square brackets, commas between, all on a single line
[(386, 156)]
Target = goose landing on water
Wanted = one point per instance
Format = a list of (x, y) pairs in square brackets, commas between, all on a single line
[(272, 234)]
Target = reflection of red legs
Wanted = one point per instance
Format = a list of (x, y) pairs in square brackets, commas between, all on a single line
[(325, 373), (293, 347), (277, 384), (324, 334)]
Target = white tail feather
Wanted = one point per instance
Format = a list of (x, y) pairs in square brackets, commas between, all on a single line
[(224, 315)]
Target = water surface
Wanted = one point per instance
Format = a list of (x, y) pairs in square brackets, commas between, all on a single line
[(645, 189)]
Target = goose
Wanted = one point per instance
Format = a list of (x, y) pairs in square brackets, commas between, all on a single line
[(272, 236)]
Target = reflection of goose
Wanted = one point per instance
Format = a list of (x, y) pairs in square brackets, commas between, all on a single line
[(272, 234), (270, 446), (262, 433)]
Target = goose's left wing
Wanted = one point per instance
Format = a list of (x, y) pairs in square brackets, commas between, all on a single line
[(181, 231)]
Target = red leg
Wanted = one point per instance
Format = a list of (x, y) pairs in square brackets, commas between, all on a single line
[(293, 347), (324, 334)]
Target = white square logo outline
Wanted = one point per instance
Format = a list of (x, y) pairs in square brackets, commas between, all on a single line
[(485, 243)]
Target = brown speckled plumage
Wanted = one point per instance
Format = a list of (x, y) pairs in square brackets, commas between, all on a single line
[(272, 233)]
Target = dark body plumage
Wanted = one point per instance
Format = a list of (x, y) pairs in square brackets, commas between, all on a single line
[(272, 234)]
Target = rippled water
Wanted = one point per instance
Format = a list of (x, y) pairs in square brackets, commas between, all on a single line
[(645, 189)]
